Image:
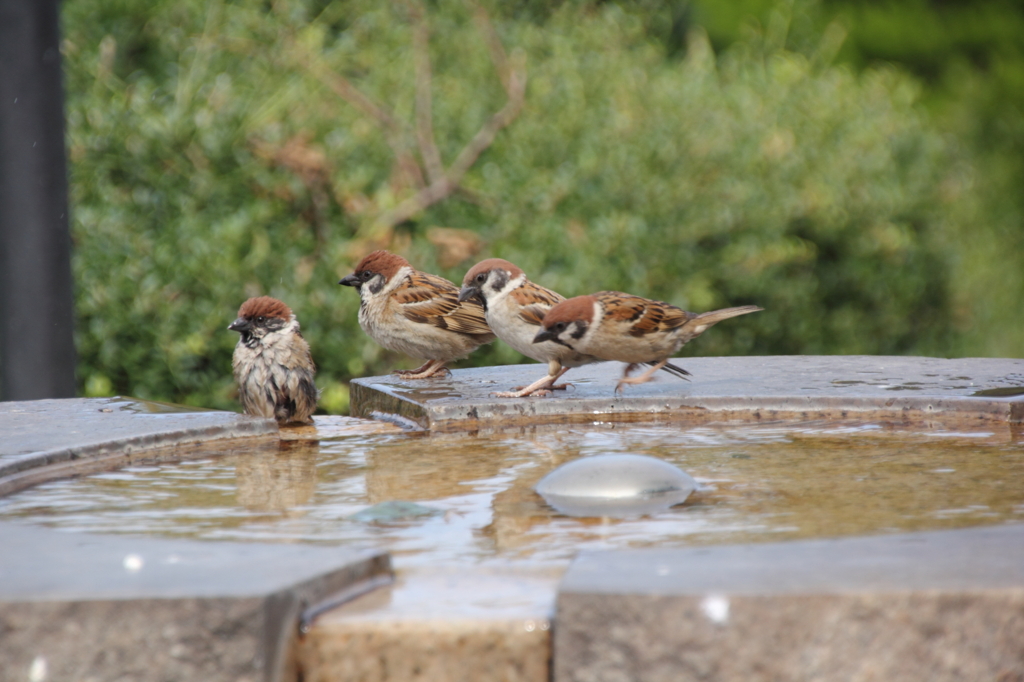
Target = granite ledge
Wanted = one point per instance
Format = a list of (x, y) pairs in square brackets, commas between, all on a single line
[(901, 389), (46, 439), (945, 605), (107, 607)]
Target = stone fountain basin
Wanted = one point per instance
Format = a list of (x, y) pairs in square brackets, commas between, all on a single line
[(666, 618)]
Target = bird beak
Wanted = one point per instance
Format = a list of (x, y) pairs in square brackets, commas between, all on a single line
[(467, 293), (545, 335), (240, 325), (350, 281)]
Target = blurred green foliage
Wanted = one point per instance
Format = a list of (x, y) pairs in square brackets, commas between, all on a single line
[(211, 161), (969, 57)]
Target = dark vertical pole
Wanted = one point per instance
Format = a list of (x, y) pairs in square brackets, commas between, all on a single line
[(37, 352)]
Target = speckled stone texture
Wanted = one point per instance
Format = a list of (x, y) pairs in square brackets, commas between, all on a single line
[(179, 639), (935, 637), (942, 606), (425, 650), (439, 624)]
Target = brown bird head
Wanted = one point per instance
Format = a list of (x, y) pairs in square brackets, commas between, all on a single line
[(568, 321), (375, 270), (486, 277), (261, 315)]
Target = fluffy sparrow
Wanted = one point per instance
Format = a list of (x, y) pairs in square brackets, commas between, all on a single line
[(616, 326), (272, 364), (515, 307), (416, 313)]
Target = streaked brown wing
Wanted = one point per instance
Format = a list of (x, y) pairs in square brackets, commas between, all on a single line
[(533, 315), (535, 301), (468, 318), (659, 317), (429, 299), (428, 290), (304, 345), (643, 315)]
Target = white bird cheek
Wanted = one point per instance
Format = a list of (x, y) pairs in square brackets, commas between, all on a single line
[(566, 338)]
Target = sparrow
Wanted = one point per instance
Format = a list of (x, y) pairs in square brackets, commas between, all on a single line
[(514, 308), (272, 363), (416, 313), (615, 326)]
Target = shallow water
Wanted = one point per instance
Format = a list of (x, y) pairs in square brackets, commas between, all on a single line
[(476, 504)]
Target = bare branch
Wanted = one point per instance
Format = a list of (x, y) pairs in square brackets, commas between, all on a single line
[(442, 188), (483, 139), (395, 132), (348, 92), (425, 198), (439, 183), (424, 113), (497, 50)]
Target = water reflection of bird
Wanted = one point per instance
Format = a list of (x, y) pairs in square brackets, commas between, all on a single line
[(515, 307), (278, 480), (616, 326), (272, 362), (416, 313)]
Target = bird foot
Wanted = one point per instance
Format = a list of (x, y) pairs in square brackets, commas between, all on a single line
[(539, 388), (642, 379), (559, 387), (522, 393), (424, 372), (421, 368), (433, 374)]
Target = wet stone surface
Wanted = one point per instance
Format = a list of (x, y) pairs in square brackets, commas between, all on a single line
[(41, 434), (749, 388), (80, 606)]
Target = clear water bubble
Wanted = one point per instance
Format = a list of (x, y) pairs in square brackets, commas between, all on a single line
[(615, 485)]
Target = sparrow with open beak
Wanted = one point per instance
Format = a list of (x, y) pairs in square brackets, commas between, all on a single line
[(272, 363), (514, 308), (614, 326), (416, 313)]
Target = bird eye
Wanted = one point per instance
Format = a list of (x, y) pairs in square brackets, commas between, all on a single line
[(366, 275), (482, 277), (260, 319), (559, 326)]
